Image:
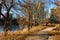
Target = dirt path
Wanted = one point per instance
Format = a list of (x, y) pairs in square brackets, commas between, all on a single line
[(43, 34)]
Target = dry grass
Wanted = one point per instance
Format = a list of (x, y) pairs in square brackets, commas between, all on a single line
[(56, 37), (19, 34)]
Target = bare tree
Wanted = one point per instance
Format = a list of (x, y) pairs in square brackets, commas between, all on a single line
[(6, 24), (8, 4), (33, 11)]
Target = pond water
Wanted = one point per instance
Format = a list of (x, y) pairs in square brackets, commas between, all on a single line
[(12, 28)]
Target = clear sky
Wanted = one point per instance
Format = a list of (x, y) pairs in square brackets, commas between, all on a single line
[(48, 8), (49, 4)]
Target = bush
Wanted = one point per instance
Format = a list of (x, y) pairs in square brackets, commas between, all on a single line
[(58, 28)]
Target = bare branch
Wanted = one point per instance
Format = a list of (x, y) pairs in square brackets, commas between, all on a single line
[(6, 6), (2, 15)]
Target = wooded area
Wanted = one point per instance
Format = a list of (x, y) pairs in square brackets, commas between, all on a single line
[(32, 11)]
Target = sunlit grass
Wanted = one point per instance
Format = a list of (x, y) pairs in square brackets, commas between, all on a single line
[(18, 35)]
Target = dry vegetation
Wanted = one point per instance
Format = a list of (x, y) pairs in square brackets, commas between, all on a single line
[(56, 12), (21, 35), (18, 35)]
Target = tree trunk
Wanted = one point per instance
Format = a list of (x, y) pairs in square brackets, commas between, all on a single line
[(5, 27), (6, 24)]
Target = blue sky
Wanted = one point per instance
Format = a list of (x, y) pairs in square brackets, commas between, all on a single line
[(49, 4), (48, 8)]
